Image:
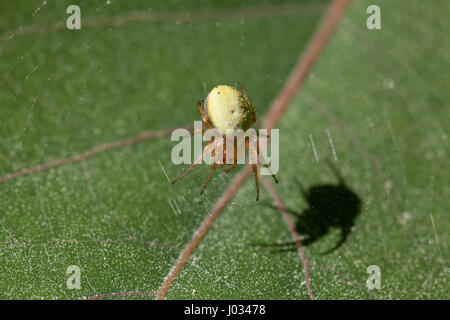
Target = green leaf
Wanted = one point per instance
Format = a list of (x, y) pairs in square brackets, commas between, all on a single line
[(377, 97)]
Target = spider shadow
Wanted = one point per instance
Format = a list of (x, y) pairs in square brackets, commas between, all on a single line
[(329, 206)]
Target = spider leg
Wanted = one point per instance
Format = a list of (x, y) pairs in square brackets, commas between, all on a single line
[(233, 166), (205, 120), (208, 149), (213, 167), (255, 167), (248, 101), (204, 116), (267, 135), (273, 176), (263, 162), (255, 172)]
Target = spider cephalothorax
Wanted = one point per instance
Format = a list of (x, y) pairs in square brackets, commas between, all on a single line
[(228, 111)]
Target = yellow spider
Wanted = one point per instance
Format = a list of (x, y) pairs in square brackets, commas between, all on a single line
[(227, 110)]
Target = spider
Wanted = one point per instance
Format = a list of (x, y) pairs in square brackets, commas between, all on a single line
[(226, 110)]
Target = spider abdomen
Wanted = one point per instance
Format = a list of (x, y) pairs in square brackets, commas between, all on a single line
[(227, 109)]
